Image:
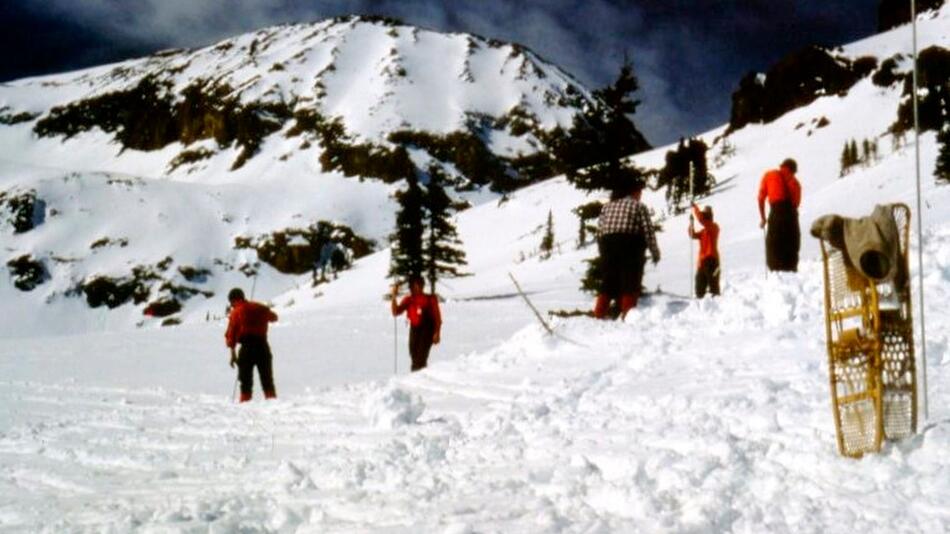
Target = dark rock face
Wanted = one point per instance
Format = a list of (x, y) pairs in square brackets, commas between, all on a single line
[(795, 81), (27, 272), (23, 210), (893, 13), (296, 250), (147, 118), (163, 308), (933, 79)]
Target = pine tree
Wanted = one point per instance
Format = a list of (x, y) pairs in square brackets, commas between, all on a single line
[(603, 135), (942, 170), (845, 159), (547, 242), (406, 259), (442, 254), (855, 157)]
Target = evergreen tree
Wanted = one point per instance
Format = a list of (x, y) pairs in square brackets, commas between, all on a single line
[(845, 159), (603, 135), (675, 175), (855, 157), (442, 254), (547, 242), (407, 240), (866, 149), (942, 170)]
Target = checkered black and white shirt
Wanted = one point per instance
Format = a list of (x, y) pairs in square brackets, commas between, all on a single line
[(627, 216)]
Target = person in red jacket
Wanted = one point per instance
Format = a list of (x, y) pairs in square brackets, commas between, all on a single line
[(707, 272), (783, 238), (247, 326), (425, 320)]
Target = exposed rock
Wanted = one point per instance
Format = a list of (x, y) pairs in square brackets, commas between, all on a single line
[(795, 81), (893, 13), (296, 250), (10, 118), (148, 117), (194, 274), (108, 242), (23, 210), (114, 292), (162, 308), (27, 272)]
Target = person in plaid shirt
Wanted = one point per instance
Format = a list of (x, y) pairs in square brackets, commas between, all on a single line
[(625, 232)]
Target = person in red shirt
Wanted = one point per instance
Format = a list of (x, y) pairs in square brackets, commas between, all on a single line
[(247, 326), (425, 320), (707, 272), (783, 239)]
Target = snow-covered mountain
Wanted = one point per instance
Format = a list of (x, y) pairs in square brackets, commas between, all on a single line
[(692, 416), (166, 180)]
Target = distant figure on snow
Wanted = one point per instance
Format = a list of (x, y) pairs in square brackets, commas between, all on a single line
[(425, 320), (247, 325), (783, 239), (707, 271), (625, 232)]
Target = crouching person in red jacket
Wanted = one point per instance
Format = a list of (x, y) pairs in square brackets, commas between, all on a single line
[(425, 320), (247, 325)]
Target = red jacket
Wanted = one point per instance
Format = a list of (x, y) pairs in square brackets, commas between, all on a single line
[(417, 307), (778, 185), (708, 237), (247, 319)]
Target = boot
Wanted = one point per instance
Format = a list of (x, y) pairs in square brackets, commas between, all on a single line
[(270, 394), (601, 305), (245, 397)]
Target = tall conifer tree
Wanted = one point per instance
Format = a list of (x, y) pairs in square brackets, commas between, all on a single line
[(407, 240), (442, 254)]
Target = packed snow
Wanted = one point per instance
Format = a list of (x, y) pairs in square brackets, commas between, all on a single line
[(705, 415)]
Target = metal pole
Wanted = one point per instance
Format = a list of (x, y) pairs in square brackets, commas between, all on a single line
[(395, 347), (692, 272), (920, 226)]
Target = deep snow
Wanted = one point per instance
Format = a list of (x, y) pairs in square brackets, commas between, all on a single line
[(692, 416)]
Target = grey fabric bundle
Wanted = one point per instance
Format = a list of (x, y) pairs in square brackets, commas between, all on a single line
[(870, 244)]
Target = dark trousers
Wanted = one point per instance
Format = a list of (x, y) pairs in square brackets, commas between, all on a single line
[(420, 343), (622, 258), (783, 240), (255, 352), (707, 277)]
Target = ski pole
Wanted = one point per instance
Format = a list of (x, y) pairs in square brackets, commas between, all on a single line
[(234, 390), (395, 347), (691, 201)]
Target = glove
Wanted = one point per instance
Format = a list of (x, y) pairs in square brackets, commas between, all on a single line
[(656, 258), (233, 359)]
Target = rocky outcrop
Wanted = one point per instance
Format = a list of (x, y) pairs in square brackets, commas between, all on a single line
[(795, 81), (149, 117), (296, 250), (893, 13), (27, 272), (22, 210)]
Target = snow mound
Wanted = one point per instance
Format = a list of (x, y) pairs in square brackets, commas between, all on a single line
[(394, 407)]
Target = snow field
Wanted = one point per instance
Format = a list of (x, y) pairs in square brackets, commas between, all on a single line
[(693, 416)]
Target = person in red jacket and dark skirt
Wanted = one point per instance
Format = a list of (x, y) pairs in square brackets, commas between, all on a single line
[(247, 325), (783, 239), (425, 320), (707, 273)]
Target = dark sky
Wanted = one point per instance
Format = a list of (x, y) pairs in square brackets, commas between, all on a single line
[(689, 55)]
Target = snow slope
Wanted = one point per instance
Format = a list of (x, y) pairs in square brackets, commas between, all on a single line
[(692, 416)]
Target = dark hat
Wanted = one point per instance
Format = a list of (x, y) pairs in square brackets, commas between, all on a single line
[(791, 165), (235, 294)]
